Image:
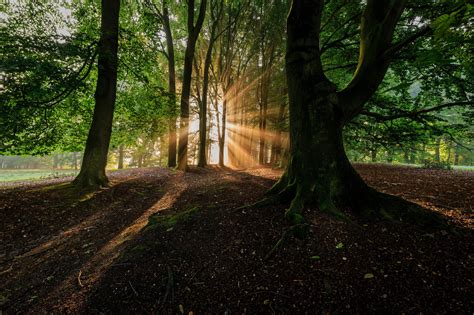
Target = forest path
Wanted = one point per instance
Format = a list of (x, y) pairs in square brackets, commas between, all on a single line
[(55, 250)]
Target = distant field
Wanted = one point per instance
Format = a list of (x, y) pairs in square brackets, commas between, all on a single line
[(30, 174)]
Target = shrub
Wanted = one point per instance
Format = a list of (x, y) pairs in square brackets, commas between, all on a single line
[(432, 164)]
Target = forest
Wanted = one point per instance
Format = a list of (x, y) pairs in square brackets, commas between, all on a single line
[(252, 156)]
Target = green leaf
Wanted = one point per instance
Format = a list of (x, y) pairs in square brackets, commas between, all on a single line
[(368, 276), (340, 246), (315, 257)]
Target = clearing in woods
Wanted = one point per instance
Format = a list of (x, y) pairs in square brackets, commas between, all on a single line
[(199, 252)]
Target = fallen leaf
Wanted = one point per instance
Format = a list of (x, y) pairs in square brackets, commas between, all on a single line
[(368, 276)]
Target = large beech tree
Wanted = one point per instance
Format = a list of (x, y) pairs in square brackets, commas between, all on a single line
[(92, 172), (319, 172)]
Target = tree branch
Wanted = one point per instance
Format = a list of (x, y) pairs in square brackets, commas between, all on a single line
[(381, 117), (395, 48)]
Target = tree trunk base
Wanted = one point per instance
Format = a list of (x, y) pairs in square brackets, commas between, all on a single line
[(353, 195), (86, 182)]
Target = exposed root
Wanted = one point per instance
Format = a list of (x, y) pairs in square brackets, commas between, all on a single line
[(398, 209), (261, 203), (169, 286), (364, 200), (285, 237), (295, 230)]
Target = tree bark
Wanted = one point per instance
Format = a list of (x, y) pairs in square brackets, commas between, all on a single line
[(193, 33), (92, 172)]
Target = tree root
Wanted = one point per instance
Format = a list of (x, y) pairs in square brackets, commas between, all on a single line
[(292, 231), (397, 209), (271, 200), (169, 286)]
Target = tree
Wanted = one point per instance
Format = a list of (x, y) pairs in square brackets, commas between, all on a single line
[(216, 14), (92, 172), (319, 171), (163, 17), (193, 33)]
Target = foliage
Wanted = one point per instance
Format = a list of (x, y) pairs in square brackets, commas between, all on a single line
[(437, 165)]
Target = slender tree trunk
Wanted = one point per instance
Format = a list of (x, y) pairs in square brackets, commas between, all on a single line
[(456, 154), (223, 131), (193, 33), (92, 172), (120, 157), (448, 158), (74, 160), (406, 157), (437, 150), (373, 155), (171, 86), (55, 161), (202, 161)]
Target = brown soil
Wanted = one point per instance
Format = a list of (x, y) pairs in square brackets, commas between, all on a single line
[(60, 253)]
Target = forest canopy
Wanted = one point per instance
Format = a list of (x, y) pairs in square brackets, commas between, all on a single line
[(238, 94)]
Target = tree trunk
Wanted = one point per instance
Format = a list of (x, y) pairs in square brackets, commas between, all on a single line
[(222, 136), (448, 158), (202, 161), (319, 172), (373, 155), (193, 33), (406, 157), (456, 154), (171, 86), (437, 150), (92, 172), (74, 160), (120, 157)]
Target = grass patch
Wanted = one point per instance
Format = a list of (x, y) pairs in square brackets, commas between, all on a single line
[(32, 174), (168, 221)]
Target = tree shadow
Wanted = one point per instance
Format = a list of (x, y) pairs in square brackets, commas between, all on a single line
[(65, 231)]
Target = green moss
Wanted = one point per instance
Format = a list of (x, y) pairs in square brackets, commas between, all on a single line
[(3, 299), (169, 221), (70, 192)]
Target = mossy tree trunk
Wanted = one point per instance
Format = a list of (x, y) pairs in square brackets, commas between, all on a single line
[(92, 172), (319, 172)]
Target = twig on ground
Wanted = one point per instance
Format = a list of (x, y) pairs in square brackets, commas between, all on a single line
[(7, 270), (79, 279), (133, 289)]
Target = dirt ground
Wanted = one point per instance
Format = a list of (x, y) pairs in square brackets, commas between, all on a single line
[(199, 253)]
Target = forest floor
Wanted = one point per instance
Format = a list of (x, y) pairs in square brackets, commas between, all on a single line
[(161, 241)]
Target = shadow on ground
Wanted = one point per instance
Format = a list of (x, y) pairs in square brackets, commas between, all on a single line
[(201, 254)]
